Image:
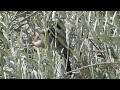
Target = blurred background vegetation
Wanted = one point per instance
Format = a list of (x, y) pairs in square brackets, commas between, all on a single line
[(93, 37)]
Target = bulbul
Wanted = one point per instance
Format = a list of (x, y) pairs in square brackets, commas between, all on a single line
[(37, 41)]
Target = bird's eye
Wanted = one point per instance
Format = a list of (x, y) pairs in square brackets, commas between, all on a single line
[(33, 38)]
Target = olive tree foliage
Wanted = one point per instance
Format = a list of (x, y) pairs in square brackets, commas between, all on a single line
[(93, 37)]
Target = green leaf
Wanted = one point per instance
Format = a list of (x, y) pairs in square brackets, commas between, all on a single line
[(10, 73), (112, 75), (49, 55), (105, 39), (98, 31), (24, 53), (113, 54), (34, 64), (75, 54), (60, 32), (3, 24), (86, 32), (3, 52), (47, 39), (63, 14), (61, 25), (71, 22), (2, 37), (61, 41), (95, 37), (5, 33), (2, 62)]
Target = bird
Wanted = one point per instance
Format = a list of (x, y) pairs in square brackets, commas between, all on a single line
[(37, 41)]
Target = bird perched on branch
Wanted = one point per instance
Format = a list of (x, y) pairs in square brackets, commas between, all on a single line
[(60, 45)]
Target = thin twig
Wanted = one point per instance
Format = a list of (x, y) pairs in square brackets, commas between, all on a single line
[(33, 14), (103, 63), (20, 15), (93, 44), (97, 48)]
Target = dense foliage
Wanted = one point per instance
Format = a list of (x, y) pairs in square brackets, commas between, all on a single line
[(93, 37)]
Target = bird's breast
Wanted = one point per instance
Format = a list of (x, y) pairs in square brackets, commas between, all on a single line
[(38, 43)]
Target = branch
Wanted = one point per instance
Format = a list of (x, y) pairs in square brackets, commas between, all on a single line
[(97, 48), (29, 16), (103, 63)]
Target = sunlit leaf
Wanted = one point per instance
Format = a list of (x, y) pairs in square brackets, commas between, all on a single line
[(3, 38), (3, 52), (3, 24)]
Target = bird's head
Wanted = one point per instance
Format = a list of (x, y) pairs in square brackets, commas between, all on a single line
[(37, 40)]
